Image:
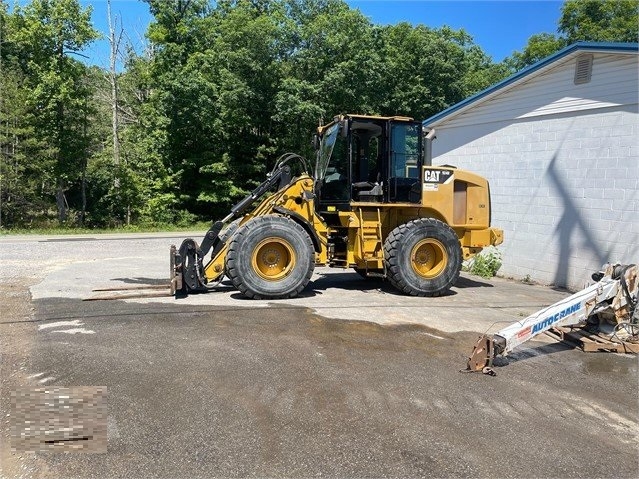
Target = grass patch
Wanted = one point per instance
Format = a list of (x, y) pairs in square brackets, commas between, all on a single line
[(484, 264), (202, 226)]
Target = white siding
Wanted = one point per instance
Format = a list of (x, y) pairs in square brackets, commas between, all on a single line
[(564, 174), (614, 82)]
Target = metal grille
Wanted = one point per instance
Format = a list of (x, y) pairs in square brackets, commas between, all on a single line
[(583, 69)]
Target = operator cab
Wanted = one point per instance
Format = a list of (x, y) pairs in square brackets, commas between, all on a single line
[(368, 159)]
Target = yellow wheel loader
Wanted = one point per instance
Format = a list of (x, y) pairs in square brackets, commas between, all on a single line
[(371, 204)]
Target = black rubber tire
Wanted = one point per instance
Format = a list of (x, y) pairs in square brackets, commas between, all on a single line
[(408, 249), (270, 238), (225, 237), (229, 230)]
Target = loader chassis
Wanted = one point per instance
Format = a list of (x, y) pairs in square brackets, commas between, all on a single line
[(371, 204)]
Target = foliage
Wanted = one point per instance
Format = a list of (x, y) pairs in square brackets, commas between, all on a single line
[(56, 229), (601, 21), (538, 47), (222, 90), (41, 37), (485, 264), (582, 20)]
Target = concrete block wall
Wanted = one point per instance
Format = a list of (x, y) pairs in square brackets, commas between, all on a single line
[(565, 189)]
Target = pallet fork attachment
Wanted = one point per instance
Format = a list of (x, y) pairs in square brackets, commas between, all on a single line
[(187, 269), (175, 276)]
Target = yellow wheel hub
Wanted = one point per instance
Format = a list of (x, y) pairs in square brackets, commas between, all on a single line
[(273, 259), (428, 258)]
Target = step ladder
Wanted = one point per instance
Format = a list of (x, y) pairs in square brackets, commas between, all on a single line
[(371, 231)]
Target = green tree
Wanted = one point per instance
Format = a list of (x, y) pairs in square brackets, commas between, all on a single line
[(214, 76), (332, 67), (234, 85), (48, 32), (224, 88), (128, 189), (19, 186), (427, 70), (146, 183), (539, 46), (582, 20), (600, 20), (16, 196), (481, 72)]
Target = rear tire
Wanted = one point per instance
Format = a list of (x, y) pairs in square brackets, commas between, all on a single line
[(423, 257), (270, 257)]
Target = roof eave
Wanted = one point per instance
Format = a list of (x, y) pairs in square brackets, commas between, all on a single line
[(536, 67)]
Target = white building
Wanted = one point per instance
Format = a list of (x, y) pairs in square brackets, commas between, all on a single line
[(559, 143)]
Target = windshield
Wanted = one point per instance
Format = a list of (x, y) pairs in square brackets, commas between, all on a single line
[(325, 151)]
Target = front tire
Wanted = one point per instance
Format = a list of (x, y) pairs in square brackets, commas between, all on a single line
[(229, 230), (270, 257), (423, 257)]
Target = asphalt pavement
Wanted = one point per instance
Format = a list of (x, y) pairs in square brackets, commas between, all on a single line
[(349, 380)]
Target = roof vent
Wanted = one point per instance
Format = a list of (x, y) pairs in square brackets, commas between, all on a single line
[(583, 69)]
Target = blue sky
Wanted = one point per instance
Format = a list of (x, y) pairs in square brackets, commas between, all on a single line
[(499, 26)]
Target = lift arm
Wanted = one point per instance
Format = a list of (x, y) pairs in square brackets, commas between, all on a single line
[(186, 263), (616, 291)]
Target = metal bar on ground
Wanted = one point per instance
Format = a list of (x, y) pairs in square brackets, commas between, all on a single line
[(137, 287), (129, 296)]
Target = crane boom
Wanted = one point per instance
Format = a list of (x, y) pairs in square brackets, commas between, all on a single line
[(615, 292)]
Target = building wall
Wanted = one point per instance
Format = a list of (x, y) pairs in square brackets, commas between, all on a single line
[(613, 82), (564, 179)]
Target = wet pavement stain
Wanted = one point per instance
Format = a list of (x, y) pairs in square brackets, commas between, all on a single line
[(281, 391)]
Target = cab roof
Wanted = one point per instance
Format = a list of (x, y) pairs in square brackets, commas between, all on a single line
[(374, 117), (352, 116)]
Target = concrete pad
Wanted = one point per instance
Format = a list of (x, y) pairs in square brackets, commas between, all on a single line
[(74, 269)]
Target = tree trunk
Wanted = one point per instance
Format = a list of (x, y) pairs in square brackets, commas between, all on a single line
[(61, 203), (84, 194), (85, 164), (60, 200), (113, 43)]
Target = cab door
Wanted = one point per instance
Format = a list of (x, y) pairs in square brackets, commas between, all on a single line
[(404, 162)]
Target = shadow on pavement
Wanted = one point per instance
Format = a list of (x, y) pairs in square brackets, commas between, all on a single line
[(529, 353), (352, 281), (463, 282)]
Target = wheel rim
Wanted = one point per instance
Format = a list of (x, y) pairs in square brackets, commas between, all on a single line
[(428, 258), (273, 259)]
